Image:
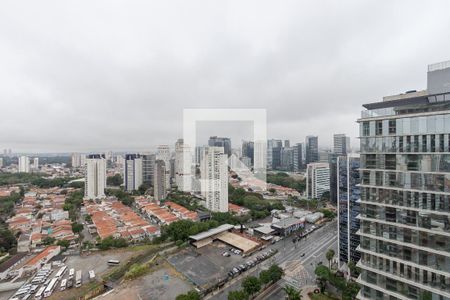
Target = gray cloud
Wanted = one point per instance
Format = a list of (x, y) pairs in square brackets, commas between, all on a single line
[(99, 75)]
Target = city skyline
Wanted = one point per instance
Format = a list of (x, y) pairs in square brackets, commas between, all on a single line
[(73, 84)]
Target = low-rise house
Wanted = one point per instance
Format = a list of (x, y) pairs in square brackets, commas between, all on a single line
[(238, 210)]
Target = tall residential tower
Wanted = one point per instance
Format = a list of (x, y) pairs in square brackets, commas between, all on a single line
[(405, 193)]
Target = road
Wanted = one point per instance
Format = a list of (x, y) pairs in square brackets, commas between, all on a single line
[(297, 260)]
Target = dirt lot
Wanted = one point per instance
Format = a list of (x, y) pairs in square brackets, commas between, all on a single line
[(205, 266), (164, 283)]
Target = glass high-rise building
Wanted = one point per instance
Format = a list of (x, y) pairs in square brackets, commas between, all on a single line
[(349, 195), (405, 193), (312, 149)]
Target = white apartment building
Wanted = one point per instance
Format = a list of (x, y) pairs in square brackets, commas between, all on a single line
[(317, 180), (132, 172), (95, 181), (214, 179), (76, 160), (24, 164), (183, 166), (36, 163)]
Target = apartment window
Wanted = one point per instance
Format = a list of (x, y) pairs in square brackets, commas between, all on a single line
[(390, 161), (408, 143), (412, 162), (379, 127), (441, 143), (416, 143), (400, 144), (424, 143), (392, 126), (366, 129), (371, 161), (433, 143)]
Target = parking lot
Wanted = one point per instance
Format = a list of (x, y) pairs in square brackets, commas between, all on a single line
[(208, 265)]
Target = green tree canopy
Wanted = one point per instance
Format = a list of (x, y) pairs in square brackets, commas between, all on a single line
[(237, 295), (251, 285)]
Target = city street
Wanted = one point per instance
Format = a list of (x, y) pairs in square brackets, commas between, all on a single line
[(298, 261)]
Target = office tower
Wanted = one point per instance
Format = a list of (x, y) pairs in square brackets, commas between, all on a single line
[(83, 160), (405, 193), (132, 172), (76, 160), (274, 154), (24, 164), (199, 154), (248, 150), (324, 156), (311, 149), (1, 162), (36, 163), (287, 159), (349, 196), (95, 181), (214, 179), (317, 180), (148, 166), (287, 144), (332, 160), (183, 166), (163, 153), (159, 180), (10, 152), (298, 157), (348, 146), (224, 142), (5, 152), (340, 146)]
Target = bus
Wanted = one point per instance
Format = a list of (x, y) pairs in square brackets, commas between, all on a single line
[(61, 272), (91, 274), (78, 279), (113, 262), (63, 284), (71, 273), (40, 293), (49, 290)]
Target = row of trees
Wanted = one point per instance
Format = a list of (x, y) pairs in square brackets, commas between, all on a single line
[(285, 180), (259, 208), (121, 195), (73, 203), (252, 285), (110, 242), (348, 289)]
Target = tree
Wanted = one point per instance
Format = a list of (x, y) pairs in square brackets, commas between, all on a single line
[(292, 293), (275, 273), (63, 243), (323, 274), (77, 227), (191, 295), (237, 295), (115, 180), (251, 285), (329, 255), (265, 277), (48, 240)]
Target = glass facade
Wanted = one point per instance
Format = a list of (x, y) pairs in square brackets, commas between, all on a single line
[(405, 203), (349, 195)]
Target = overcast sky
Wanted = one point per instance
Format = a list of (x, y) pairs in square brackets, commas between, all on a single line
[(109, 75)]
